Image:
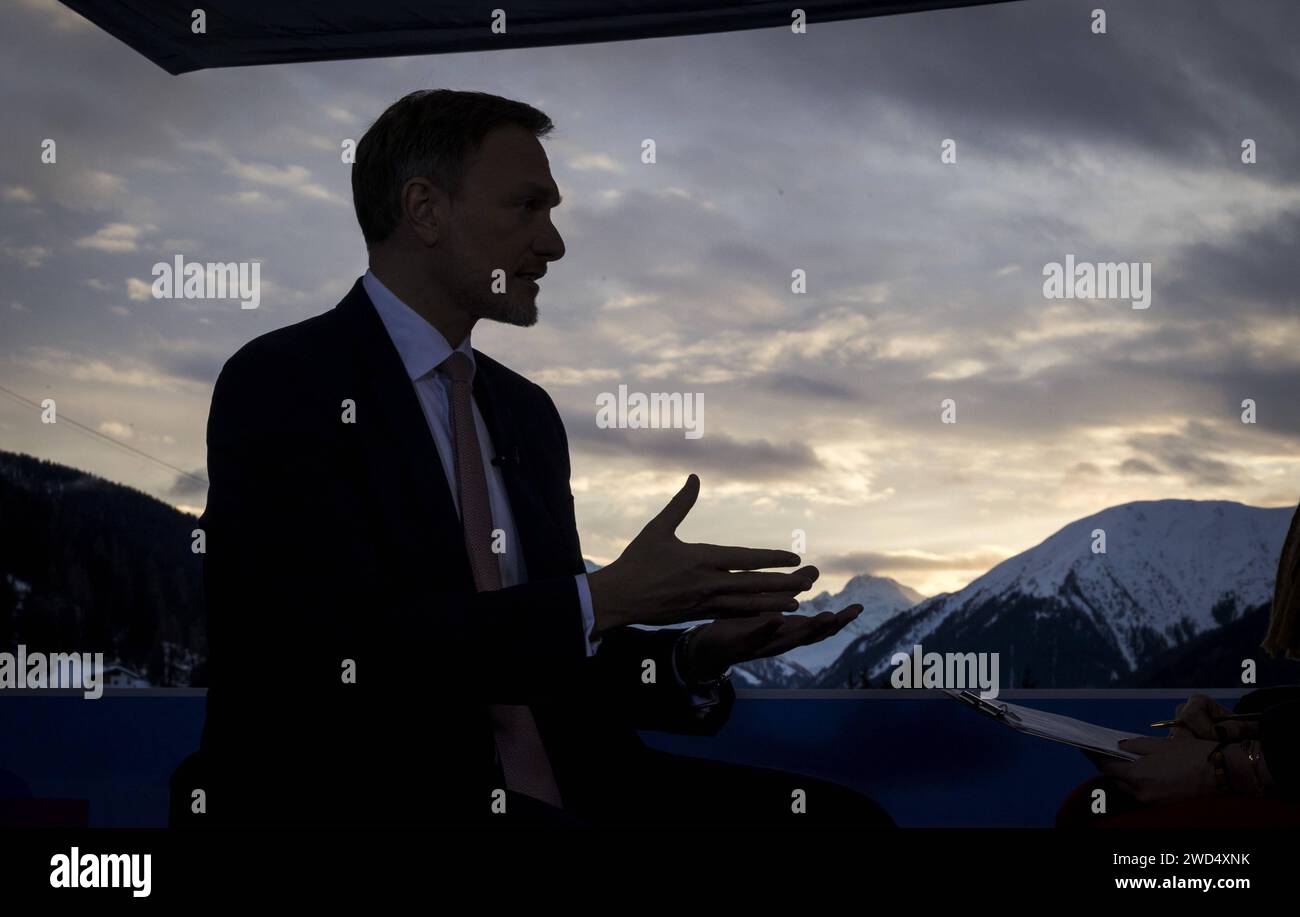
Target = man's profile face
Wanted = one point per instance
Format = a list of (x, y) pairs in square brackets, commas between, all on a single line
[(502, 220)]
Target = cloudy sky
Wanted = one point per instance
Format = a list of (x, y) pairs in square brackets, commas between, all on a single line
[(776, 152)]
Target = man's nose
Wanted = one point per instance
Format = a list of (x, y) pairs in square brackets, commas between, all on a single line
[(551, 245)]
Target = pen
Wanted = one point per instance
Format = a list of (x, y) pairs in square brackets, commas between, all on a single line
[(1169, 724)]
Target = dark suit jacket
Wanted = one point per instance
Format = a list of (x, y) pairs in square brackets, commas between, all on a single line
[(330, 541)]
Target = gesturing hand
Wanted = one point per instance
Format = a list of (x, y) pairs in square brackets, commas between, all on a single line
[(719, 644), (659, 579)]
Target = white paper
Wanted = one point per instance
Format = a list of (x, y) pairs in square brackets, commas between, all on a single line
[(1070, 731), (1058, 728)]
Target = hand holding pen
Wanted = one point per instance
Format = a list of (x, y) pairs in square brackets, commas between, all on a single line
[(1203, 718)]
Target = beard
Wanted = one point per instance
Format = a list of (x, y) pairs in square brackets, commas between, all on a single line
[(517, 306)]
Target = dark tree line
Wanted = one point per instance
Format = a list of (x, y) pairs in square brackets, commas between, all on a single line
[(109, 569)]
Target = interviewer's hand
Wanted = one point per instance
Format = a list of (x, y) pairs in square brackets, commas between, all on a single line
[(659, 579), (1199, 714), (1168, 770)]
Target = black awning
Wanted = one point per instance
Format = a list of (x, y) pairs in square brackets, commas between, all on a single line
[(242, 33)]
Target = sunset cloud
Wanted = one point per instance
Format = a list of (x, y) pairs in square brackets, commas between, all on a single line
[(922, 281)]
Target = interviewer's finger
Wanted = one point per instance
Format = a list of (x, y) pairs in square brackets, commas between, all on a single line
[(1144, 745), (1198, 714), (1233, 730)]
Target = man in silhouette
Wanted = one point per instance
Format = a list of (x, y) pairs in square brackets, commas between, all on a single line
[(401, 627)]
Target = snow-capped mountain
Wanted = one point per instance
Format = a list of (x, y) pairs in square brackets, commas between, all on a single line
[(1061, 615), (775, 672), (880, 597)]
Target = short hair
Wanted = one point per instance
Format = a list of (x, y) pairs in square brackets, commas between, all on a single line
[(430, 133), (1284, 618)]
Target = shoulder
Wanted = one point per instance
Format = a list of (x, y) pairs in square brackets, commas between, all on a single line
[(286, 353), (535, 401), (518, 385), (273, 383)]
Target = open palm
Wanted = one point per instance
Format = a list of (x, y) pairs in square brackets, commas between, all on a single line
[(728, 641)]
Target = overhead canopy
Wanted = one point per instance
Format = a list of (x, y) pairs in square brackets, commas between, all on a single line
[(241, 33)]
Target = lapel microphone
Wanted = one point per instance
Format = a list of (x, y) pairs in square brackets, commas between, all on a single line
[(502, 460)]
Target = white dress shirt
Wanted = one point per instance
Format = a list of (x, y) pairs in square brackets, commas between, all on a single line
[(422, 348)]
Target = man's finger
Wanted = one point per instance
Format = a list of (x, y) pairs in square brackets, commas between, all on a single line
[(847, 614), (844, 620), (789, 583), (799, 630), (771, 625), (804, 630), (785, 635), (731, 605), (782, 641), (672, 515), (751, 642), (822, 626), (833, 622), (726, 557)]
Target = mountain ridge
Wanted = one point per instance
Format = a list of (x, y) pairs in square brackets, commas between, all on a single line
[(1062, 615)]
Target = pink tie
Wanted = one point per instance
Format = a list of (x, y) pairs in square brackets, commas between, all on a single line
[(523, 756)]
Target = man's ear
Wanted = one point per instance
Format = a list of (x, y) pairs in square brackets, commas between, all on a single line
[(424, 206)]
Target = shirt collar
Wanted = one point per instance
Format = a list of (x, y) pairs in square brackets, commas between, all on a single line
[(420, 345)]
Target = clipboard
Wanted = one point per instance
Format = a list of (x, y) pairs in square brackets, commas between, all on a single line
[(1051, 726)]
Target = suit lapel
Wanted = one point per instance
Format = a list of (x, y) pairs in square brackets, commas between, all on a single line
[(516, 441), (399, 454), (403, 467)]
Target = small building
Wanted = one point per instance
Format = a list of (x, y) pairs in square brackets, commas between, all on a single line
[(119, 676)]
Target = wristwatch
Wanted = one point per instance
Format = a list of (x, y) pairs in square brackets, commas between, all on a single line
[(679, 663)]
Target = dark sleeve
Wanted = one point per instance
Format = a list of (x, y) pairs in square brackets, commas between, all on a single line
[(1263, 698), (662, 704), (620, 662), (286, 591), (1279, 738)]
